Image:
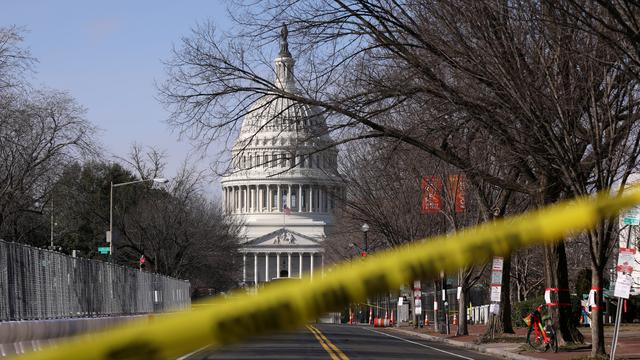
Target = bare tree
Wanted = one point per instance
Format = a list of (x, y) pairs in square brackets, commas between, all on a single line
[(14, 60), (180, 232), (39, 134), (522, 76)]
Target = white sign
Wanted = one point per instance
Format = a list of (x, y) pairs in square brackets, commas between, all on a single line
[(108, 236), (416, 285), (459, 292), (495, 293), (626, 260), (419, 311), (498, 263), (435, 305), (400, 301), (623, 286), (592, 298), (418, 303), (494, 308), (547, 296)]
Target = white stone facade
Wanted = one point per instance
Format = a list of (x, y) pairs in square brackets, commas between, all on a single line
[(281, 186)]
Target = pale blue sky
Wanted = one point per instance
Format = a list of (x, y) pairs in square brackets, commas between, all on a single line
[(108, 55)]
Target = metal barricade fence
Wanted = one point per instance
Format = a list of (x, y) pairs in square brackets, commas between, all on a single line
[(40, 284)]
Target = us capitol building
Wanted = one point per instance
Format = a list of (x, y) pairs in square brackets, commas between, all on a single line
[(281, 186)]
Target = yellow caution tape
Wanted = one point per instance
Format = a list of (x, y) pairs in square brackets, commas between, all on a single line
[(288, 305)]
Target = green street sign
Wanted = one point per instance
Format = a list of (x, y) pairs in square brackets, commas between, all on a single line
[(104, 250), (632, 217)]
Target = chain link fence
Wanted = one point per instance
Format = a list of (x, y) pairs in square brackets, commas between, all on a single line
[(40, 284)]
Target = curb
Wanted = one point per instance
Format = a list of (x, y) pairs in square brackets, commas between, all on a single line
[(466, 345)]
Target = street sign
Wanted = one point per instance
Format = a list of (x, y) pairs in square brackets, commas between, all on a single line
[(495, 293), (108, 236), (498, 264), (623, 286), (496, 278), (494, 309), (632, 217), (104, 250), (626, 260)]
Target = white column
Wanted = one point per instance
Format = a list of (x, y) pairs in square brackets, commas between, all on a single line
[(244, 268), (266, 266), (310, 198), (299, 197), (255, 268), (269, 197), (231, 201), (311, 267), (278, 265), (289, 197), (260, 196), (243, 198), (255, 198), (247, 198), (289, 264), (279, 199), (300, 266)]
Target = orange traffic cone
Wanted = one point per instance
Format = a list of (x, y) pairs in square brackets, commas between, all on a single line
[(455, 319)]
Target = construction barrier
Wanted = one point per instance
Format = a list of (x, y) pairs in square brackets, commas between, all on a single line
[(282, 306), (380, 322)]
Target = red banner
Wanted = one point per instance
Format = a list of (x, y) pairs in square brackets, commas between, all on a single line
[(456, 189), (431, 194)]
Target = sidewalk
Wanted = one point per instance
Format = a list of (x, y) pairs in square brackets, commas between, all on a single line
[(514, 346)]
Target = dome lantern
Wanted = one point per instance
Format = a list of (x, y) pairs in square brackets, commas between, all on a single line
[(284, 63)]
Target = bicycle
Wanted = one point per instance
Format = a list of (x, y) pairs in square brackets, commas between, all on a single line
[(540, 338)]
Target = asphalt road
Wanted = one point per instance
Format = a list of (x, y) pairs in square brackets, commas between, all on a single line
[(338, 342)]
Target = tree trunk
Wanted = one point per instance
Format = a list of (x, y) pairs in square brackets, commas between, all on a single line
[(462, 307), (597, 319), (505, 297), (556, 277)]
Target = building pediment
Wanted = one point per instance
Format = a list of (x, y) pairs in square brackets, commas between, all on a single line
[(282, 237)]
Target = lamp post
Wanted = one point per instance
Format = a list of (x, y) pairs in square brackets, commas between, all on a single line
[(110, 233), (365, 229)]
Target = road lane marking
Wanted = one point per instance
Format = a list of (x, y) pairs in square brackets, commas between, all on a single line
[(332, 355), (419, 344), (187, 356), (335, 348)]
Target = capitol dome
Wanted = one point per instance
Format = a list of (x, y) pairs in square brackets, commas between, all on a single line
[(282, 182)]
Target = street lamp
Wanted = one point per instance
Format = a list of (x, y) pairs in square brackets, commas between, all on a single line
[(365, 229), (110, 233)]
